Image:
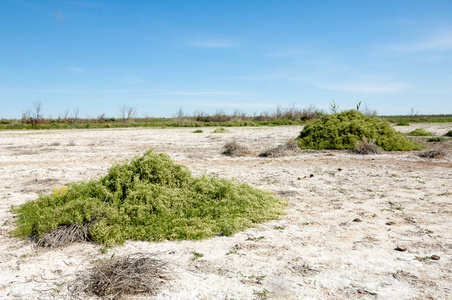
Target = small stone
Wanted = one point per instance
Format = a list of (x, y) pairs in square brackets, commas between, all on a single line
[(390, 223), (401, 248), (299, 178), (339, 169), (357, 220), (311, 175), (435, 257)]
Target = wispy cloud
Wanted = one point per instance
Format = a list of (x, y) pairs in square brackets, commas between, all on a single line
[(75, 69), (282, 75), (365, 87), (213, 44), (59, 17), (441, 41), (134, 81), (203, 93), (288, 53)]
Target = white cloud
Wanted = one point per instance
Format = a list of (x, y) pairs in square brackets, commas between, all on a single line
[(290, 53), (365, 87), (441, 41), (266, 77)]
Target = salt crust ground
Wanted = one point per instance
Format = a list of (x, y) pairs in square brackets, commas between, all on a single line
[(334, 242)]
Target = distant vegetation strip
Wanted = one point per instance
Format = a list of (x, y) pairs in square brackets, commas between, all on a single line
[(33, 118), (158, 123)]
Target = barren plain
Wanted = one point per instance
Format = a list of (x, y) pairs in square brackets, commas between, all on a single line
[(346, 216)]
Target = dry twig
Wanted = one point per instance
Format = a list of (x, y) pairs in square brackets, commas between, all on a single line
[(433, 154), (366, 147), (234, 149), (131, 274), (288, 148), (64, 235)]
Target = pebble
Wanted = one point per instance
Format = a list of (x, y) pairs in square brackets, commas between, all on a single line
[(401, 248), (357, 220), (390, 223), (435, 257)]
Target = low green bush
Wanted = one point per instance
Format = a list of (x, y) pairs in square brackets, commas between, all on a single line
[(149, 199), (221, 130), (449, 133), (402, 123), (420, 132), (197, 131), (343, 130), (436, 139)]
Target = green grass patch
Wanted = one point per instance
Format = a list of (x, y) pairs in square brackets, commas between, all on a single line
[(343, 130), (449, 133), (402, 123), (197, 131), (420, 132), (150, 199), (221, 130)]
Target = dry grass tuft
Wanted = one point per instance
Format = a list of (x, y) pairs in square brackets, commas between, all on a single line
[(63, 236), (115, 278), (366, 147), (288, 148), (234, 149), (433, 154)]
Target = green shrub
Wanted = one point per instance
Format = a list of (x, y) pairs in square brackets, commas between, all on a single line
[(343, 130), (420, 132), (402, 123), (449, 133), (221, 130), (197, 131), (151, 199), (436, 139)]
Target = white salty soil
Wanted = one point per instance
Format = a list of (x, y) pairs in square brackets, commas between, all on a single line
[(346, 215)]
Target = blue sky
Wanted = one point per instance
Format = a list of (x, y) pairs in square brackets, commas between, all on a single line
[(159, 56)]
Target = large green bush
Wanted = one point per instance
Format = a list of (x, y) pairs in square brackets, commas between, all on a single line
[(152, 199), (343, 130)]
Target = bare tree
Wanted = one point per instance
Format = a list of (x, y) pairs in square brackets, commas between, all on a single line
[(278, 111), (34, 114), (66, 114), (76, 112), (180, 113), (131, 112), (127, 113), (413, 113), (101, 118), (369, 111), (146, 118), (122, 109)]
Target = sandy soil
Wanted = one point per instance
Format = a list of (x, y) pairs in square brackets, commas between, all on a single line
[(346, 215)]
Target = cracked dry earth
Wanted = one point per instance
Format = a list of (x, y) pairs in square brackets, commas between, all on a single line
[(346, 216)]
